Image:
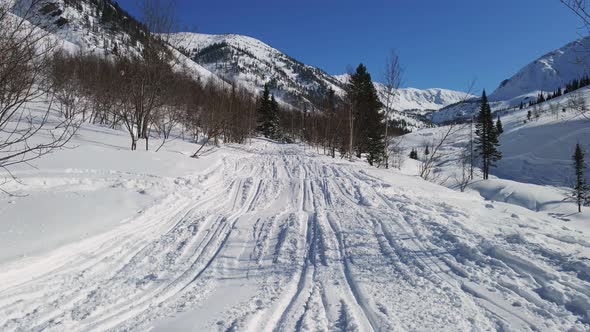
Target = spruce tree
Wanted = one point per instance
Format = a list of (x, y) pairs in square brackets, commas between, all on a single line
[(267, 115), (499, 127), (581, 193), (274, 119), (486, 137), (369, 126)]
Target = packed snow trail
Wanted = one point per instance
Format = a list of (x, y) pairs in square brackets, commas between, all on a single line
[(273, 237)]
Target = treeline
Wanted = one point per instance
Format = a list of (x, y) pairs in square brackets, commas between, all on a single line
[(146, 96), (569, 87), (351, 126)]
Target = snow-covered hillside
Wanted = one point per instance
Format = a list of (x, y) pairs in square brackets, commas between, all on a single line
[(97, 27), (253, 64), (549, 72), (535, 150)]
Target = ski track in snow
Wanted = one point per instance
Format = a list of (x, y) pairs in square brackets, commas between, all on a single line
[(288, 241)]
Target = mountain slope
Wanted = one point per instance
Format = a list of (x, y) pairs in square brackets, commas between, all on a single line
[(546, 74), (253, 64), (98, 27), (416, 99), (549, 72)]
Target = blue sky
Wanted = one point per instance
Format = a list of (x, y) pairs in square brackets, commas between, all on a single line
[(443, 44)]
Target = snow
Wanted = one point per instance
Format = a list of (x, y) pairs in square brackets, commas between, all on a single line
[(270, 236)]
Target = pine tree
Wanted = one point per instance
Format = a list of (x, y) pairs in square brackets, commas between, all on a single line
[(581, 192), (267, 115), (274, 119), (487, 137), (369, 126), (499, 127)]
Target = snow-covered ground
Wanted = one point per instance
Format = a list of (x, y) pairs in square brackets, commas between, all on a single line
[(269, 236)]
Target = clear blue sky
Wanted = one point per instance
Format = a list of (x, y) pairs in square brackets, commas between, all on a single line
[(441, 43)]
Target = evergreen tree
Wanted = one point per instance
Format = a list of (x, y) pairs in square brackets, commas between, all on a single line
[(581, 191), (499, 127), (369, 126), (274, 118), (426, 151), (268, 115), (486, 137)]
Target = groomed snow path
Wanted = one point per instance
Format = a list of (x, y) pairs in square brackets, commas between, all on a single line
[(273, 237)]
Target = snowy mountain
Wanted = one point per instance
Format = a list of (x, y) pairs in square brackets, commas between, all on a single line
[(546, 74), (429, 99), (412, 107), (103, 27), (94, 26), (416, 99), (253, 64), (549, 72), (99, 27)]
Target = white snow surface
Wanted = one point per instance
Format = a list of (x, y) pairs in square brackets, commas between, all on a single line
[(269, 236)]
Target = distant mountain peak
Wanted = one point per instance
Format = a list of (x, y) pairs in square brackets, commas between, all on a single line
[(548, 72), (416, 99)]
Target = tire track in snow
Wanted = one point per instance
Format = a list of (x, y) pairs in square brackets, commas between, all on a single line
[(318, 242)]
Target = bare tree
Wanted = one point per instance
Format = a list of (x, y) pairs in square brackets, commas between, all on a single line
[(397, 153), (66, 86), (581, 8), (464, 177), (441, 150), (25, 51), (554, 107), (439, 155), (393, 79), (578, 104)]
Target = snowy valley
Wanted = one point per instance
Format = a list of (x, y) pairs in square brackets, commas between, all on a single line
[(236, 211)]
